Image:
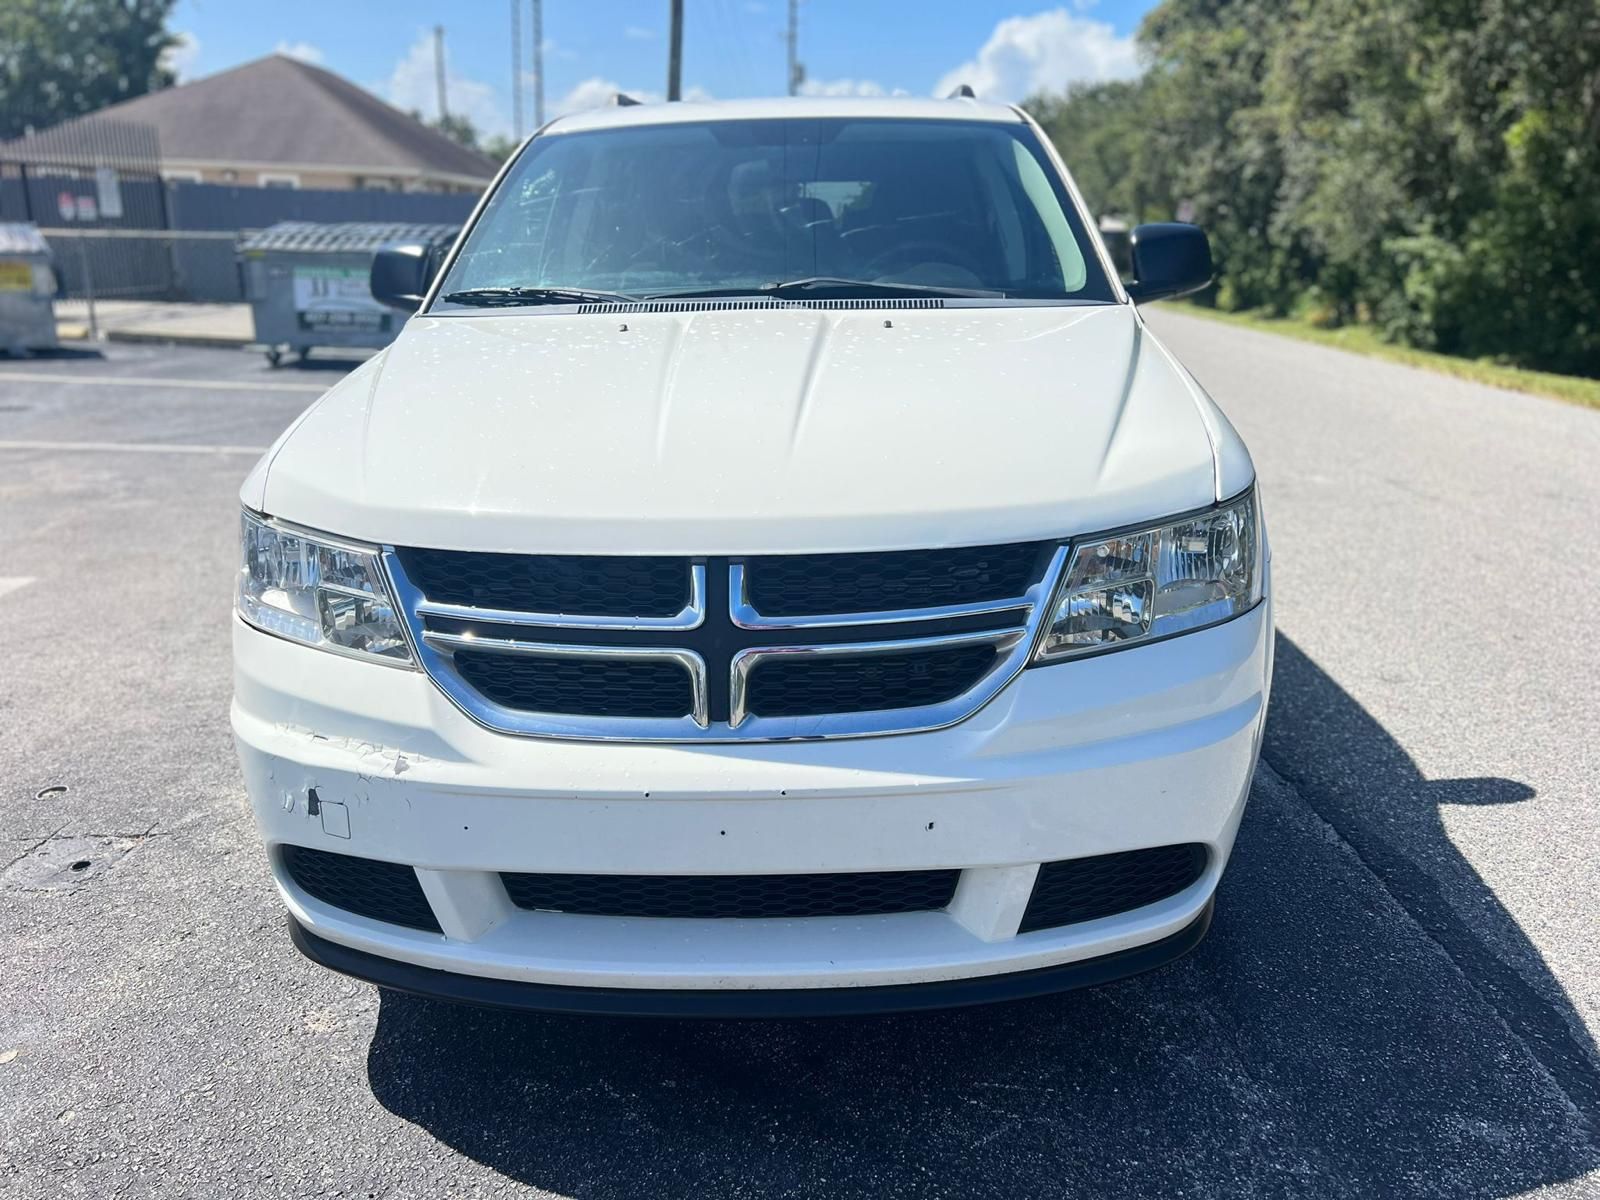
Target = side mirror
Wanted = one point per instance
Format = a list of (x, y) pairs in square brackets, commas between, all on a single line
[(1169, 259), (401, 275)]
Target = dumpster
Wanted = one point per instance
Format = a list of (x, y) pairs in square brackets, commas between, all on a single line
[(27, 290), (307, 283)]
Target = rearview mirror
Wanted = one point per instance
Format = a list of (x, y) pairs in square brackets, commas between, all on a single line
[(1169, 259), (402, 274)]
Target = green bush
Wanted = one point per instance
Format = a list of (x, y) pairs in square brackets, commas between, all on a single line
[(1430, 169)]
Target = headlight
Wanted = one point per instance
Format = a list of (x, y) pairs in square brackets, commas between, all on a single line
[(319, 591), (1127, 588)]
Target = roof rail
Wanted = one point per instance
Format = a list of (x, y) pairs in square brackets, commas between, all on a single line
[(963, 92), (623, 100)]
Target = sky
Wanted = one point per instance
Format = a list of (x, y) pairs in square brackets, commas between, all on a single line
[(1006, 49)]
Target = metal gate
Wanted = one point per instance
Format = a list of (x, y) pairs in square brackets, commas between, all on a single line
[(93, 186)]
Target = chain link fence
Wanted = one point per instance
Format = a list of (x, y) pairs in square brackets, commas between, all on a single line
[(120, 231)]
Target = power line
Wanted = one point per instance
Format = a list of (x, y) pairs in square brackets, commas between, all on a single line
[(797, 70), (538, 64), (438, 69), (516, 66), (675, 54)]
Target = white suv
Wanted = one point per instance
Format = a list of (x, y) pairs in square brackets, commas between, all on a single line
[(776, 571)]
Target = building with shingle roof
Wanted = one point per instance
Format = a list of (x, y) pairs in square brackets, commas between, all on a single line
[(281, 122)]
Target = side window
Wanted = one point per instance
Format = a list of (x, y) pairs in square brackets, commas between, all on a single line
[(1069, 257)]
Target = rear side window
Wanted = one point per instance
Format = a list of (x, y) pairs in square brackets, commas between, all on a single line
[(653, 209)]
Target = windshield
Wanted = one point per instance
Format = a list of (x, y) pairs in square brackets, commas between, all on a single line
[(737, 206)]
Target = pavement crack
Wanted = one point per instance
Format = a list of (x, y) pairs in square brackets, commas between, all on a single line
[(24, 854)]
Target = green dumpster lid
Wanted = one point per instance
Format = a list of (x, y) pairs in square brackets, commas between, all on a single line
[(19, 238), (343, 237)]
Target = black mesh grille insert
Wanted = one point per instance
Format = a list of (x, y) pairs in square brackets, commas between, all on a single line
[(383, 891), (587, 687), (797, 585), (577, 585), (707, 896), (1081, 889), (800, 685)]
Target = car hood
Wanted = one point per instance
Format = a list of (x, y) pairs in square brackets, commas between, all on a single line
[(751, 430)]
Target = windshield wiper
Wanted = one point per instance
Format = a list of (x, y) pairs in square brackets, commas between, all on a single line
[(841, 289), (509, 297)]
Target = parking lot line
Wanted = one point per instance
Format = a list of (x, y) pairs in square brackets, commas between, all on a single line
[(226, 385), (133, 447), (14, 583)]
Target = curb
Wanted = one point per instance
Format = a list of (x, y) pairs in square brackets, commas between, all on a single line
[(220, 341), (75, 332)]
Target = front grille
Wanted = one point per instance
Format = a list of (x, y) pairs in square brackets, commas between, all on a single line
[(590, 687), (1082, 889), (570, 584), (383, 891), (803, 686), (725, 648), (859, 894), (797, 585)]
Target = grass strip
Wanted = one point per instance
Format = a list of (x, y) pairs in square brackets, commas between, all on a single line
[(1360, 339)]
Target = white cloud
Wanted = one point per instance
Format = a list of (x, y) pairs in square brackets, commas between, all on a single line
[(639, 33), (180, 58), (304, 51), (1046, 52), (594, 92), (847, 87), (598, 92), (411, 85)]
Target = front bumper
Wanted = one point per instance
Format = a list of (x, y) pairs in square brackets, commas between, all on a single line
[(1145, 747)]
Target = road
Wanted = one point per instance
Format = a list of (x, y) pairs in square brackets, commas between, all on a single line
[(1400, 994)]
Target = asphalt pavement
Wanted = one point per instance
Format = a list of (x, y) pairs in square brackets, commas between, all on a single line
[(1400, 994)]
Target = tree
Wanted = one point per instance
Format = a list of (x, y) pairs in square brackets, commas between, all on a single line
[(499, 147), (1429, 168), (63, 58), (457, 128), (462, 131)]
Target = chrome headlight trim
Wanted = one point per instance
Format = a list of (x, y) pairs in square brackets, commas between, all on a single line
[(1141, 584), (318, 590)]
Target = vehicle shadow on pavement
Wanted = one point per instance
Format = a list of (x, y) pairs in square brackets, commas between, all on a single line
[(1364, 1019), (56, 354)]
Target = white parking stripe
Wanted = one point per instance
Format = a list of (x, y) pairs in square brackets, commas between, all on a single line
[(135, 447), (14, 583), (56, 379)]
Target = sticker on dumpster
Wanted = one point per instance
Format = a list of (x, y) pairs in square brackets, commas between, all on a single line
[(336, 298), (16, 277)]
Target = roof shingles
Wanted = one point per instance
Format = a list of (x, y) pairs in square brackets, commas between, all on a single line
[(279, 110)]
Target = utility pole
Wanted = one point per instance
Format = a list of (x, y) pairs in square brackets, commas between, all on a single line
[(797, 70), (675, 54), (438, 69), (516, 66), (538, 64)]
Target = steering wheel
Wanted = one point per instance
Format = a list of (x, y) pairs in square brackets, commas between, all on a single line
[(911, 253)]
